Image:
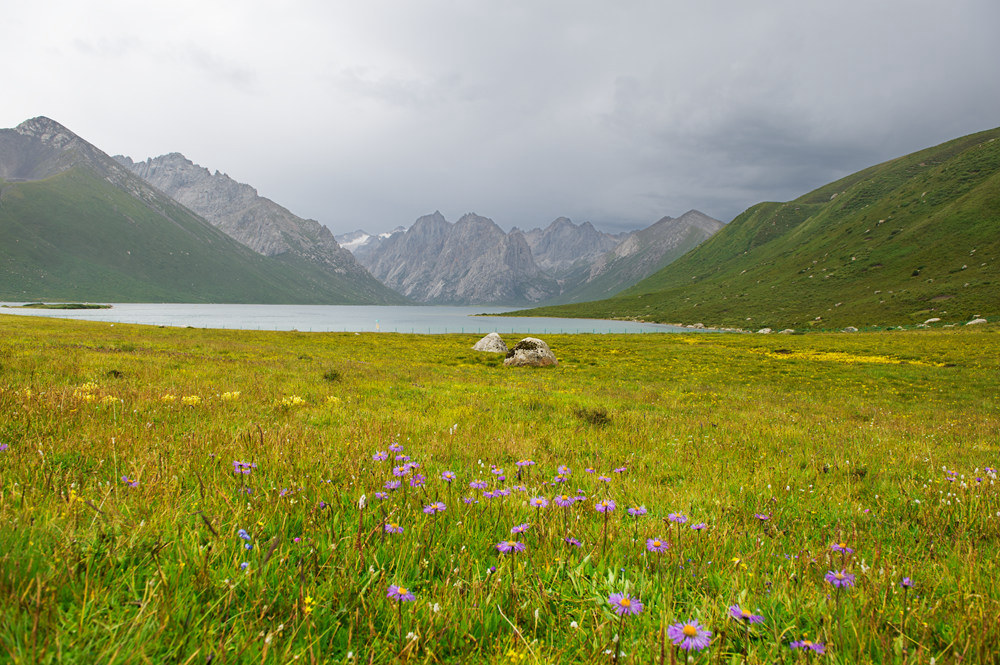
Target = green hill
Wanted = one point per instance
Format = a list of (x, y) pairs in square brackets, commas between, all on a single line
[(76, 225), (895, 244)]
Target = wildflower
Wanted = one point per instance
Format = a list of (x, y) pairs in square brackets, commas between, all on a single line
[(604, 479), (539, 502), (242, 533), (622, 605), (520, 488), (559, 479), (840, 578), (392, 527), (907, 583), (620, 469), (842, 548), (510, 546), (395, 447), (677, 517), (496, 471), (3, 447), (570, 540), (402, 458), (478, 484), (308, 604), (400, 470), (744, 616), (524, 462), (468, 500), (418, 480), (563, 470), (436, 507), (762, 517), (815, 647), (381, 495), (564, 500), (392, 485), (700, 526), (380, 456), (689, 636), (520, 528), (657, 545), (243, 467), (125, 479), (448, 476), (574, 625), (244, 565), (190, 400), (605, 506), (635, 511), (588, 470), (229, 396), (400, 593)]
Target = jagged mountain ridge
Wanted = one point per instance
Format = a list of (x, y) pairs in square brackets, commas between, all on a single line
[(257, 222), (475, 261), (78, 225)]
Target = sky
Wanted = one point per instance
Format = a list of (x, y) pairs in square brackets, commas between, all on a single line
[(367, 115)]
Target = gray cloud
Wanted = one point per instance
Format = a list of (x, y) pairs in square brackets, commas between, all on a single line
[(371, 114)]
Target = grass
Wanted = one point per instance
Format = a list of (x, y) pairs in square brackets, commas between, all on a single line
[(121, 512)]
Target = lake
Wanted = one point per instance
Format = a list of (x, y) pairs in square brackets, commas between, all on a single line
[(343, 318)]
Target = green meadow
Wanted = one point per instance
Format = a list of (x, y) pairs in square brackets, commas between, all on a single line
[(190, 496)]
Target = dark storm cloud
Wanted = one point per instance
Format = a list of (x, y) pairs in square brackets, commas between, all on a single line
[(371, 114)]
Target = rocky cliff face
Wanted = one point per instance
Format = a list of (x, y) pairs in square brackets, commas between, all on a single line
[(563, 244), (472, 261), (257, 222)]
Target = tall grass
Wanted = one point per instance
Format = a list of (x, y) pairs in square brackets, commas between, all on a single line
[(130, 533)]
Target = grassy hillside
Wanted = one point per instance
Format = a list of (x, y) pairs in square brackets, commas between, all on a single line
[(898, 243), (129, 533), (74, 236)]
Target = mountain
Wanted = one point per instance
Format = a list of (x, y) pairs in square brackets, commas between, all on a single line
[(77, 225), (914, 238), (363, 244), (471, 261), (638, 256), (562, 244), (257, 222)]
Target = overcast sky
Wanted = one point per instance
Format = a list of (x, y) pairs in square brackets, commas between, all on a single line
[(369, 114)]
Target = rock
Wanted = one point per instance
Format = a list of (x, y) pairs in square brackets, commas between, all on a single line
[(698, 326), (787, 331), (492, 343), (932, 320), (850, 329), (530, 352), (975, 322), (764, 331)]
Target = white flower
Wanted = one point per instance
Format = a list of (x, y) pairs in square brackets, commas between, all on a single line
[(574, 625)]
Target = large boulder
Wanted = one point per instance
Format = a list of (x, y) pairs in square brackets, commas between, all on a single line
[(530, 352), (492, 343), (976, 321)]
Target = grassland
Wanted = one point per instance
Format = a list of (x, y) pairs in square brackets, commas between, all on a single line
[(191, 496)]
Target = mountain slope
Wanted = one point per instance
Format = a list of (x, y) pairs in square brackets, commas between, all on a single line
[(562, 245), (257, 222), (469, 262), (76, 225), (910, 239)]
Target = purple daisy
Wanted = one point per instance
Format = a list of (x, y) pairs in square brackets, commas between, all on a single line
[(392, 485), (563, 470), (510, 546), (657, 545), (524, 462), (620, 469), (623, 606), (559, 479), (690, 636), (520, 528), (635, 511), (570, 540), (538, 502), (128, 481), (478, 484), (380, 456), (392, 527), (700, 526), (448, 476), (395, 447), (564, 500), (436, 507), (841, 547), (679, 518), (378, 495), (604, 479), (840, 578), (907, 583), (402, 458), (744, 616), (605, 506), (400, 594), (762, 517), (418, 480), (816, 647), (400, 470)]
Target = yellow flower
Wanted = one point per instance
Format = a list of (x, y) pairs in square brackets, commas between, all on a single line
[(168, 398), (228, 397), (190, 400)]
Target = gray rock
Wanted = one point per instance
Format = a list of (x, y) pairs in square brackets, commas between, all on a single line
[(787, 331), (492, 343), (932, 320), (698, 326), (975, 322), (850, 329), (530, 352), (764, 331)]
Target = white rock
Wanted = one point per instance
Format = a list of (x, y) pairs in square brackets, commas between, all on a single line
[(492, 343), (933, 320), (764, 331), (850, 329), (530, 352), (975, 322)]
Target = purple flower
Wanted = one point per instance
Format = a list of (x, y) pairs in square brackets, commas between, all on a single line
[(635, 511), (605, 506), (677, 517), (841, 547), (129, 482), (436, 507), (448, 476), (243, 467), (400, 594), (816, 647), (620, 469), (395, 447), (907, 583), (700, 526), (604, 479), (490, 495), (840, 578), (588, 470), (392, 527), (559, 479), (402, 458), (524, 462), (762, 517), (570, 540), (538, 502), (510, 546), (521, 528), (744, 616), (563, 470), (623, 606), (3, 447), (564, 500), (242, 533), (689, 636), (244, 565), (496, 471), (378, 495), (657, 545), (468, 500), (401, 470), (380, 456), (503, 491), (478, 484), (520, 488), (418, 480)]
